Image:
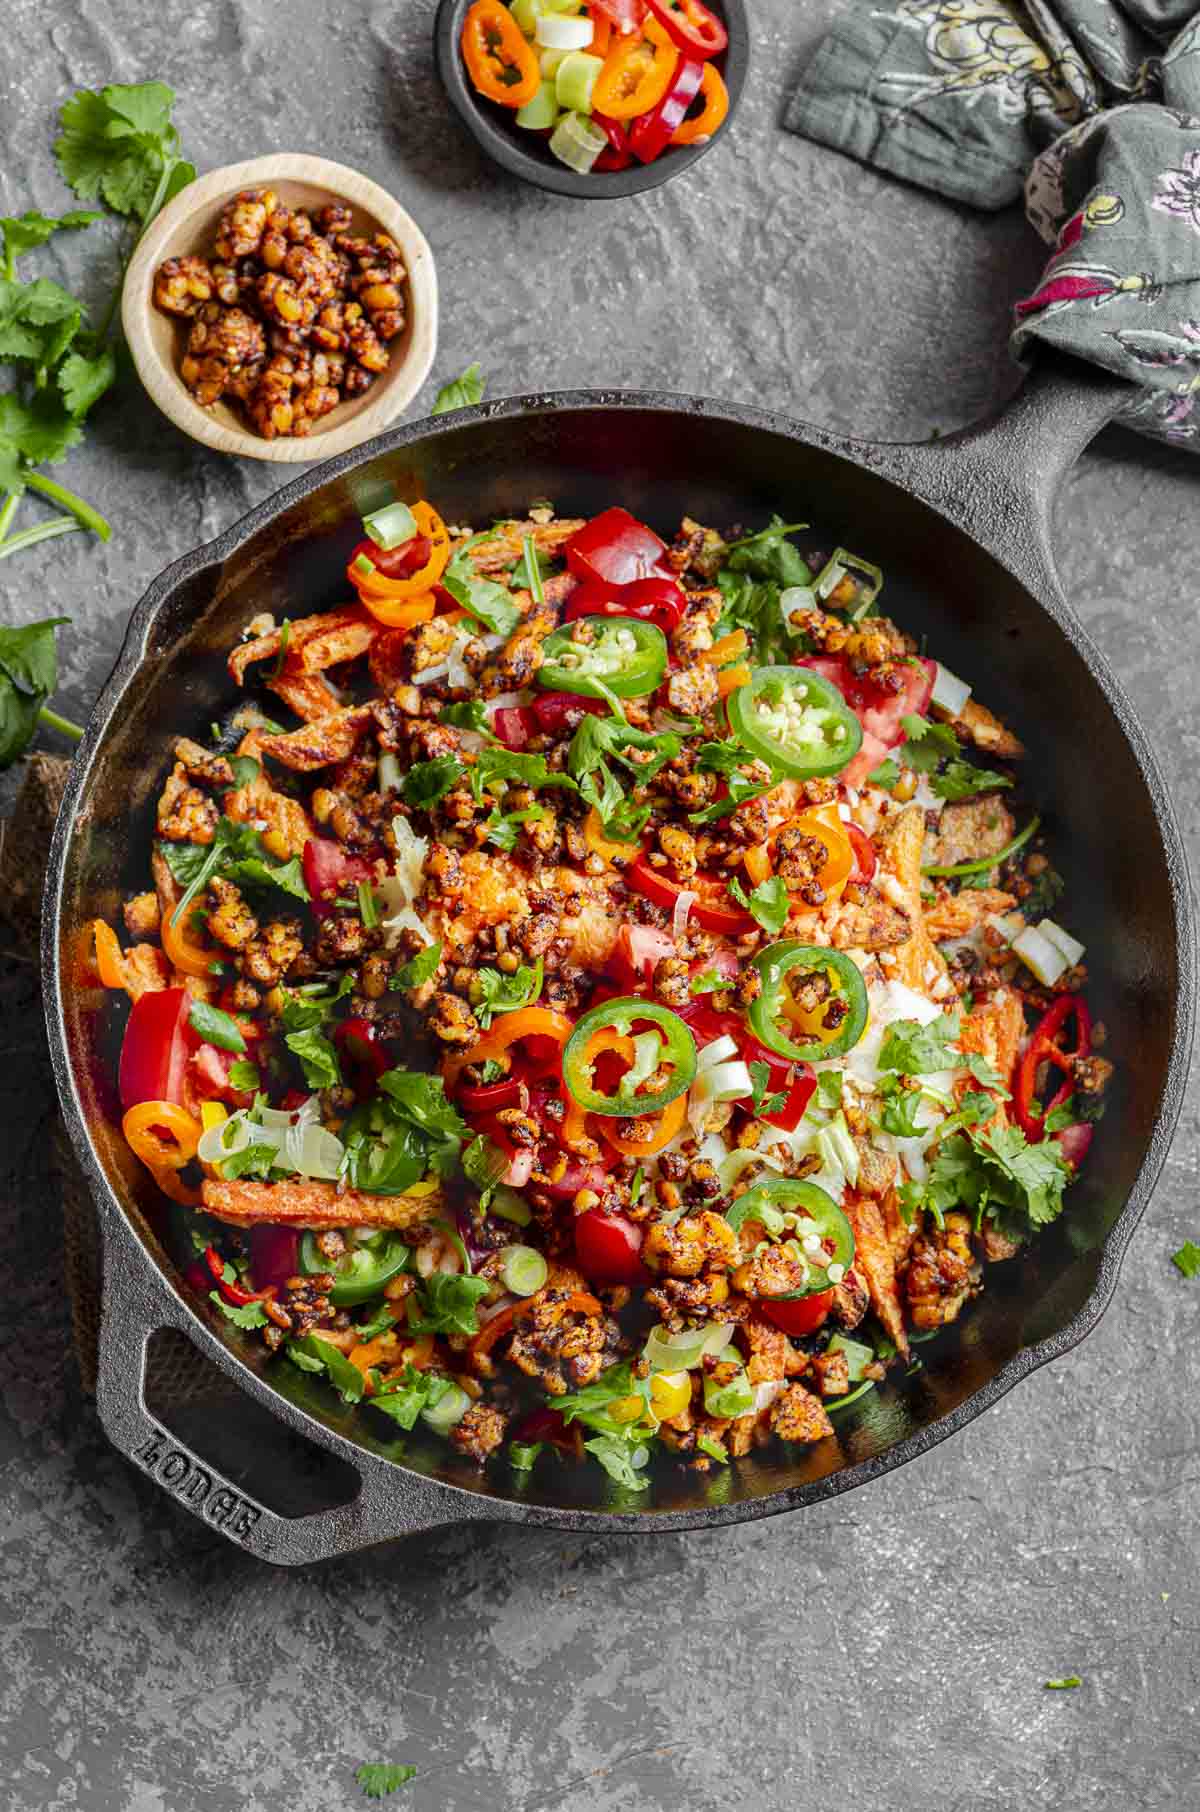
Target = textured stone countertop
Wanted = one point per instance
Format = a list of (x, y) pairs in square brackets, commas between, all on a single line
[(888, 1649)]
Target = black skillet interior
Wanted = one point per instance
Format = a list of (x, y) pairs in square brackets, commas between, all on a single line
[(721, 468)]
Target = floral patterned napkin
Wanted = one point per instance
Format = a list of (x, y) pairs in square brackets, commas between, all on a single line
[(1092, 108)]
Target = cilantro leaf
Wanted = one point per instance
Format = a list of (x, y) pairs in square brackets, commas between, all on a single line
[(380, 1778), (25, 232), (491, 603), (468, 714), (318, 1058), (404, 1397), (419, 969), (770, 555), (120, 144), (504, 829), (900, 1115), (769, 902), (428, 781), (461, 393), (709, 981), (829, 1089), (1037, 1173), (933, 749), (911, 1049), (885, 775), (244, 1076), (447, 1304), (1187, 1259), (622, 1462), (984, 1072), (420, 1099), (242, 1315), (214, 1026), (760, 1101), (483, 1164), (28, 675), (345, 1378), (237, 853), (498, 764), (507, 993), (82, 381)]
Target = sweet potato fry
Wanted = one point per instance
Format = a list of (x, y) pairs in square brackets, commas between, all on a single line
[(304, 630), (317, 1206), (307, 694), (917, 962), (315, 745)]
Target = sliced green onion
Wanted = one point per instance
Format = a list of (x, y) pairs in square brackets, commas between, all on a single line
[(858, 1355), (576, 77), (526, 13), (717, 1050), (551, 61), (796, 598), (390, 527), (448, 1411), (647, 1054), (368, 906), (577, 143), (950, 693), (523, 1270), (510, 1206), (985, 864), (684, 1352), (389, 775), (736, 1398), (867, 580), (1062, 940), (1038, 954), (363, 566), (838, 1151), (558, 32), (542, 111)]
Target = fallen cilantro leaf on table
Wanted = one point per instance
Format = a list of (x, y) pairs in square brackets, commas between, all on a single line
[(461, 393), (1187, 1259), (28, 675), (1063, 1685), (378, 1779)]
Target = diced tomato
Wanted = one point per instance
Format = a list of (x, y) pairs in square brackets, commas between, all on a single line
[(608, 1248), (722, 961), (575, 1177), (557, 712), (865, 762), (158, 1042), (274, 1255), (520, 1169), (514, 725), (490, 1097), (364, 1057), (637, 951), (210, 1076), (331, 872), (865, 857), (396, 562), (801, 1316), (614, 547), (878, 711)]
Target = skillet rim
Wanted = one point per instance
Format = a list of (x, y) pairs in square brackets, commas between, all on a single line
[(901, 465)]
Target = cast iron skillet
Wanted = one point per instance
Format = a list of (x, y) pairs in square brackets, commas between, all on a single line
[(962, 530)]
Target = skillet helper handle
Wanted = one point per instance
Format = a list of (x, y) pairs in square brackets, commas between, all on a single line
[(1000, 480), (393, 1502)]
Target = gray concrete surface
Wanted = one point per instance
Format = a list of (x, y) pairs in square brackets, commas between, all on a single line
[(888, 1650)]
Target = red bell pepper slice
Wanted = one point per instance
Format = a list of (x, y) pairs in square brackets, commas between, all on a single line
[(157, 1045), (711, 912), (615, 548), (362, 1053), (330, 872), (691, 25), (395, 562), (608, 1248), (490, 1097), (652, 132), (658, 601), (626, 15), (618, 156), (1044, 1047), (274, 1255), (234, 1293)]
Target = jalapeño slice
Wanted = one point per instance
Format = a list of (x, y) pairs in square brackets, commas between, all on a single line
[(787, 1208), (361, 1272), (795, 719), (677, 1053), (623, 655), (828, 1024)]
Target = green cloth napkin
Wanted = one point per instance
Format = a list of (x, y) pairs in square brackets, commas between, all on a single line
[(1092, 109)]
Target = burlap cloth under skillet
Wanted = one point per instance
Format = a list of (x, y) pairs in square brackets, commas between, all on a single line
[(179, 1373)]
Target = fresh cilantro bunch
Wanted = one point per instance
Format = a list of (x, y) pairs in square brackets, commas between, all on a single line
[(119, 147), (757, 572), (934, 750)]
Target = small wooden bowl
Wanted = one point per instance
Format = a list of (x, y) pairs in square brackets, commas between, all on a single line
[(187, 225)]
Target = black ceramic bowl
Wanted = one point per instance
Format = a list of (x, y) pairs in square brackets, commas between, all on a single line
[(527, 155)]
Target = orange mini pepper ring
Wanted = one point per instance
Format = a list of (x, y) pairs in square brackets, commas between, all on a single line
[(637, 73), (607, 1038), (501, 64), (145, 1125), (667, 1125), (188, 957), (509, 1029), (110, 963), (712, 115)]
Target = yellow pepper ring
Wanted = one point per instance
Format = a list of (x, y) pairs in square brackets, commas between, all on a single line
[(146, 1124)]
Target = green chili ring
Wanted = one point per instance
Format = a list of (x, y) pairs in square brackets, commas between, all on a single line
[(769, 1201), (625, 656), (361, 1273), (774, 964), (678, 1051), (795, 719)]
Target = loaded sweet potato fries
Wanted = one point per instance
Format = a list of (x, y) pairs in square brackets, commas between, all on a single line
[(624, 1012)]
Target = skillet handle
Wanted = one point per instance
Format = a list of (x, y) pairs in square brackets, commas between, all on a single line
[(1000, 480), (392, 1502)]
